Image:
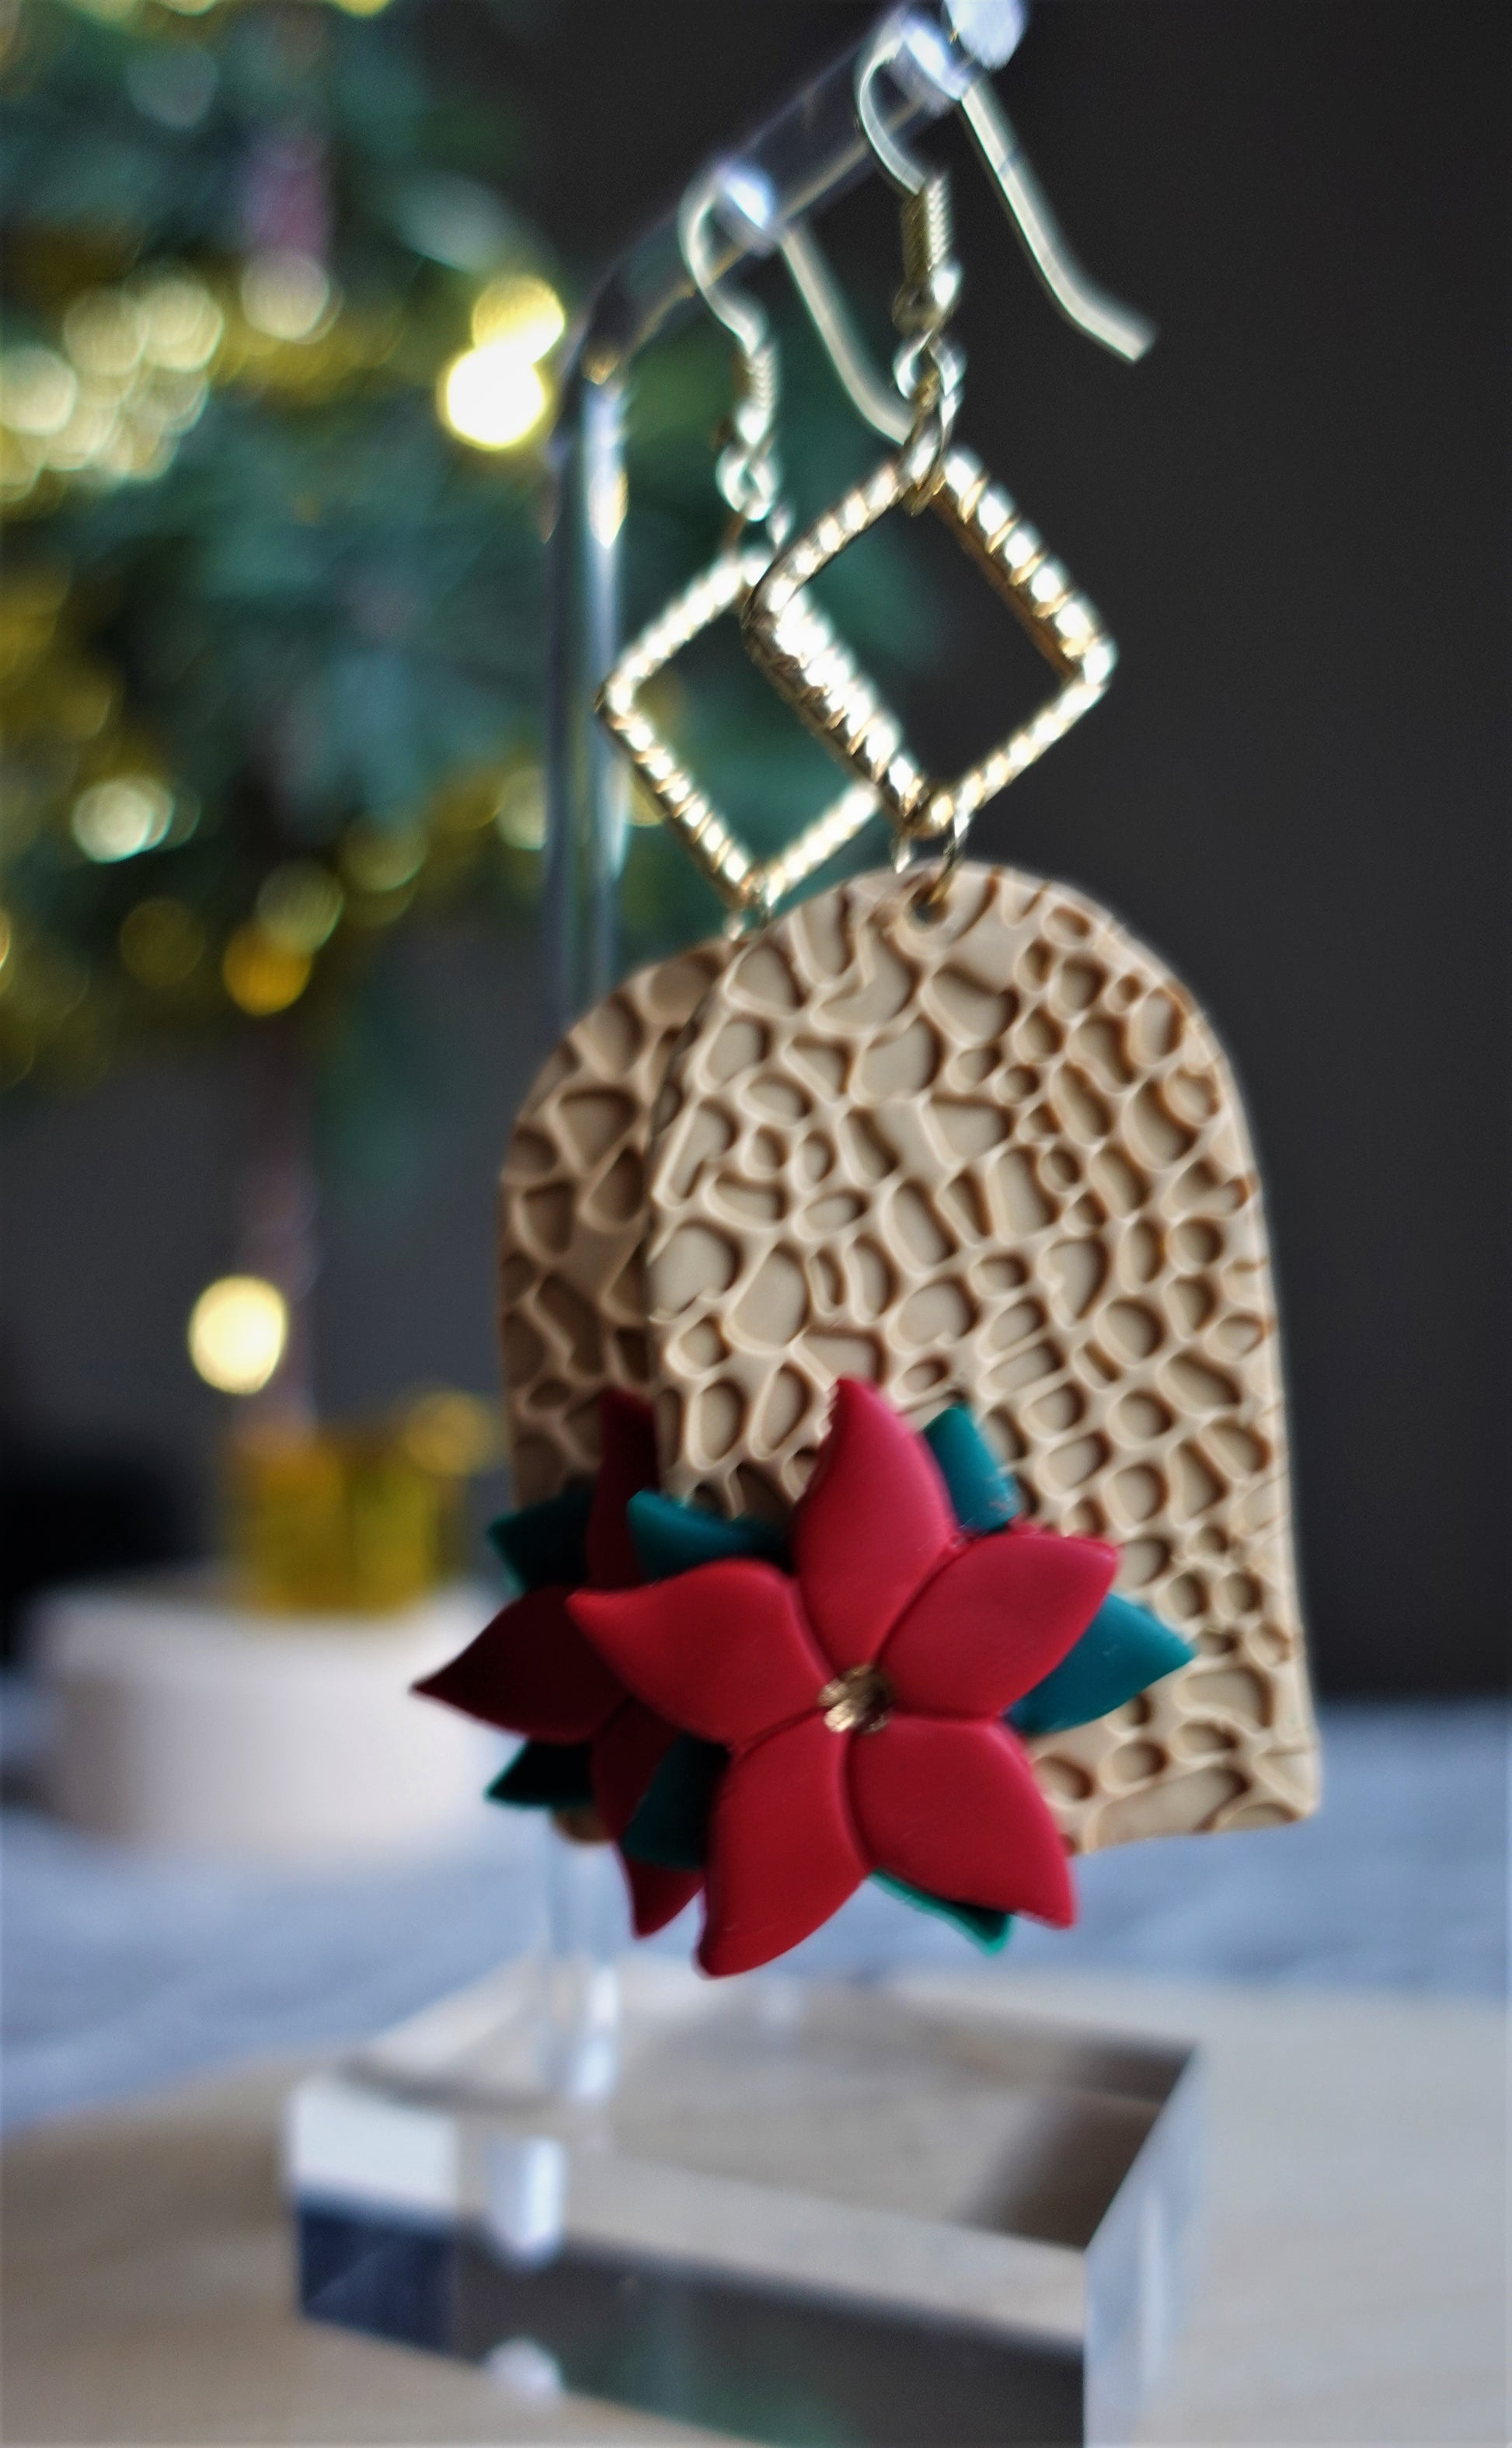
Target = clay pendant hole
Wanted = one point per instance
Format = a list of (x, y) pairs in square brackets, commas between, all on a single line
[(857, 1702)]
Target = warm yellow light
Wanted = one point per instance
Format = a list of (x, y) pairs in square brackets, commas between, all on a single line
[(7, 937), (164, 400), (161, 943), (38, 391), (102, 331), (238, 1329), (519, 313), (521, 815), (86, 435), (122, 818), (492, 397), (454, 1434), (361, 7), (300, 904), (263, 976), (180, 323), (382, 858), (285, 294), (133, 452)]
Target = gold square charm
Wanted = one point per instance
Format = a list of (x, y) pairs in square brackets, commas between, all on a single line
[(745, 883), (845, 715)]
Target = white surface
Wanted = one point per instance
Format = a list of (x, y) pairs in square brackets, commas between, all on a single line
[(124, 1968), (1350, 2289), (186, 1722)]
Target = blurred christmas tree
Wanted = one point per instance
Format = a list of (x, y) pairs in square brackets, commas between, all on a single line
[(274, 391), (267, 628)]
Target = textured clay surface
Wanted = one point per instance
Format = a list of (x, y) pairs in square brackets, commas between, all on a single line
[(572, 1302), (999, 1156)]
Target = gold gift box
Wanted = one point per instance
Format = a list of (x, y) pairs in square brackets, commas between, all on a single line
[(353, 1519)]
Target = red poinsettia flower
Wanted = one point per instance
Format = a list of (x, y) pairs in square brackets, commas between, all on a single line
[(530, 1672), (862, 1701)]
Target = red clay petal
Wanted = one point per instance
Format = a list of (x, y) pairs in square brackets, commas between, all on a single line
[(531, 1672), (954, 1810), (722, 1652), (657, 1896), (996, 1618), (628, 1463), (783, 1853), (627, 1752), (873, 1523)]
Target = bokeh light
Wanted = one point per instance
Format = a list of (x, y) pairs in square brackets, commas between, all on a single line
[(38, 391), (103, 334), (454, 1434), (522, 312), (492, 397), (239, 1331), (133, 375), (285, 296), (300, 904), (521, 815), (161, 943), (182, 324), (121, 817), (382, 858), (262, 975)]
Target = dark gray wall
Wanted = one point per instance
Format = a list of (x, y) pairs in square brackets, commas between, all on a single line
[(1293, 516)]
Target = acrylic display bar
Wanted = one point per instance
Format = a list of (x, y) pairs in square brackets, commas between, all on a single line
[(804, 2213)]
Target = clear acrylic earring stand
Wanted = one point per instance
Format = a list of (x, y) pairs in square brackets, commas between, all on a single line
[(775, 2207)]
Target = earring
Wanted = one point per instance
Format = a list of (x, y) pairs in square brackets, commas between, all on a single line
[(749, 477), (876, 1291), (836, 703), (572, 1219)]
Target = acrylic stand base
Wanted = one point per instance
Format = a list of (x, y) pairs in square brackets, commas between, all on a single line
[(806, 2213)]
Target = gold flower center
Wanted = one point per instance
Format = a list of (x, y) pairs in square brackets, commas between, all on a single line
[(857, 1702)]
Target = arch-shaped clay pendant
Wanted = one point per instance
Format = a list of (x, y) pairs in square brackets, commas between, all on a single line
[(995, 1152), (572, 1217)]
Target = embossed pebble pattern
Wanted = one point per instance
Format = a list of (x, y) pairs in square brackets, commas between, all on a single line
[(572, 1300), (996, 1156)]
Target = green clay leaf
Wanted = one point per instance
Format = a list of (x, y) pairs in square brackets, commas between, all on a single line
[(1123, 1650), (980, 1489), (544, 1544), (671, 1538), (671, 1825), (546, 1776), (984, 1929)]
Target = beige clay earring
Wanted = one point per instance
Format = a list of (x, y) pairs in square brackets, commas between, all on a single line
[(961, 1135), (572, 1219), (992, 1153)]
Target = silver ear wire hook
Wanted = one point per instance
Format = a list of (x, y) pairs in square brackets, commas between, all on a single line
[(747, 470), (874, 398), (1122, 329), (920, 60)]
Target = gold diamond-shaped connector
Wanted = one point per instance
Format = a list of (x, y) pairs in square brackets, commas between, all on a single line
[(846, 713), (744, 881)]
